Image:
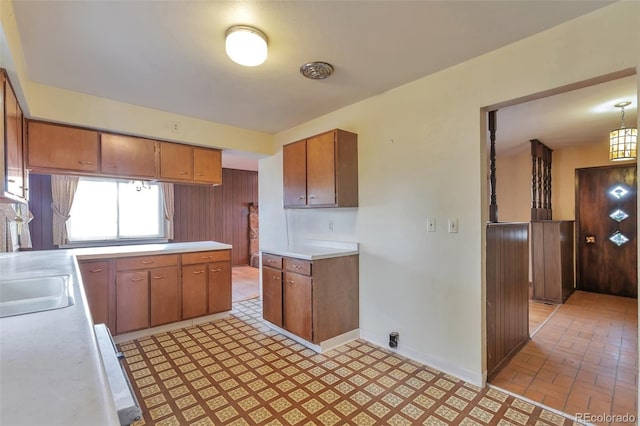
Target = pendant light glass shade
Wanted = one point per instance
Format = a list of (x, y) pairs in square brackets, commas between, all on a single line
[(246, 46), (623, 142)]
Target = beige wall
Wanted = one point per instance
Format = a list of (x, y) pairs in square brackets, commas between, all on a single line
[(422, 153), (514, 180)]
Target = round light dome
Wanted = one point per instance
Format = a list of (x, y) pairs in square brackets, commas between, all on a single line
[(246, 46)]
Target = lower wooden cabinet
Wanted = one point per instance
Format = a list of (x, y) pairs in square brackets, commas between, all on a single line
[(132, 301), (315, 300), (138, 292), (194, 291), (164, 297), (219, 287), (96, 278)]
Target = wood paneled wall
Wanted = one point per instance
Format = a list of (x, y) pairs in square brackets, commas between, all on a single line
[(41, 226), (507, 292), (219, 213)]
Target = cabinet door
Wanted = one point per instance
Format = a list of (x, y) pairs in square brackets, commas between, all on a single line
[(321, 170), (272, 295), (176, 161), (60, 147), (132, 301), (194, 291), (207, 165), (95, 278), (219, 287), (294, 168), (164, 291), (297, 305), (13, 144), (127, 156)]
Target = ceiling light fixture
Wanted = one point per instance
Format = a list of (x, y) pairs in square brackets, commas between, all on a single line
[(623, 142), (316, 70), (246, 45)]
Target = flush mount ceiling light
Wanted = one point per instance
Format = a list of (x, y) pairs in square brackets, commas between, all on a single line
[(246, 45), (623, 142), (316, 70)]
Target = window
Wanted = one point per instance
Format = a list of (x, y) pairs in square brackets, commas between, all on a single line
[(115, 210)]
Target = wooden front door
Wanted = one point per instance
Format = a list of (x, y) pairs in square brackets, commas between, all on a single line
[(606, 230)]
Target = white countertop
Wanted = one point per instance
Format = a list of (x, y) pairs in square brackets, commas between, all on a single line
[(50, 367), (314, 249)]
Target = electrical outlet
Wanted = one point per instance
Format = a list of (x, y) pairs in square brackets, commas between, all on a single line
[(453, 226), (330, 225), (431, 224)]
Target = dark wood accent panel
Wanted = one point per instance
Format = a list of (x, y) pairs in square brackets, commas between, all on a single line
[(507, 292), (40, 206), (552, 260), (601, 265), (219, 213), (272, 294)]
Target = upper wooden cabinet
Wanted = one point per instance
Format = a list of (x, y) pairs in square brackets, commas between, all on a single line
[(190, 164), (12, 171), (321, 171), (54, 148), (127, 156), (58, 149)]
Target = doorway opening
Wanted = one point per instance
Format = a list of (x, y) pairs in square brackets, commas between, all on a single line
[(582, 355)]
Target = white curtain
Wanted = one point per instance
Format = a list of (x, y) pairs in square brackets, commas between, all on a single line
[(167, 197), (14, 227), (63, 189)]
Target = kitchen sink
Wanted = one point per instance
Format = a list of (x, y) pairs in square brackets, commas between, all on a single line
[(36, 294)]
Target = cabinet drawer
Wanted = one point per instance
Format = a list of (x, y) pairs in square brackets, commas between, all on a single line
[(272, 261), (298, 266), (146, 262), (206, 257)]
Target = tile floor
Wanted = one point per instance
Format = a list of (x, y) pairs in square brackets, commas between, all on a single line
[(245, 283), (237, 371), (584, 359)]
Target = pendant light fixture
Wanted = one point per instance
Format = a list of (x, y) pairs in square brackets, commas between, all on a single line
[(246, 45), (623, 141)]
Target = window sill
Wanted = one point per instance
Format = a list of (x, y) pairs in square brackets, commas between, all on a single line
[(84, 244)]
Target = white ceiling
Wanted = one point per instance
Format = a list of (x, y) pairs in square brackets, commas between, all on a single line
[(169, 55)]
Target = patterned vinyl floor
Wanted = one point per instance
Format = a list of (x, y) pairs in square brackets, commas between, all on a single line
[(237, 371)]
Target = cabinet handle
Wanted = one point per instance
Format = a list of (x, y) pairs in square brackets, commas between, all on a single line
[(148, 262), (216, 270), (159, 277), (93, 271), (291, 281), (137, 279), (85, 162), (197, 272)]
